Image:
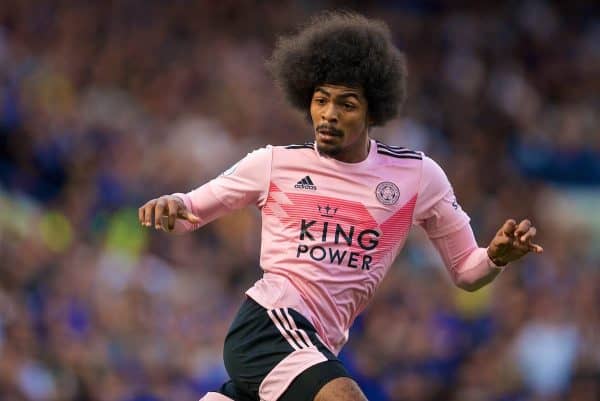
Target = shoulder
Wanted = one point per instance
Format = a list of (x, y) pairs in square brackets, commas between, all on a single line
[(310, 145), (431, 172), (397, 152), (431, 169), (259, 154), (256, 158), (434, 181), (299, 151)]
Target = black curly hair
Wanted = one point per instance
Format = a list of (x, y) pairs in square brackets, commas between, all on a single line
[(342, 48)]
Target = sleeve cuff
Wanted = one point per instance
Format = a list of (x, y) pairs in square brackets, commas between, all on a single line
[(185, 199), (492, 264)]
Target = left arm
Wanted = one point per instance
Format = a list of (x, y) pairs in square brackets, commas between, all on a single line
[(468, 265), (447, 226), (472, 267)]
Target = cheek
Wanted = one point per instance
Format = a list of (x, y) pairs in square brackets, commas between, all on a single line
[(357, 123), (314, 113)]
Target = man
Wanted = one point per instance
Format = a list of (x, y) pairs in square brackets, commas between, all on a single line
[(335, 214)]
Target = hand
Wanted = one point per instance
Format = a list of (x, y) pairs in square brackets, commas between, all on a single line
[(513, 241), (166, 210)]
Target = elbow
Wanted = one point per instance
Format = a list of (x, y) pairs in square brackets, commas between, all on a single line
[(475, 272), (467, 285)]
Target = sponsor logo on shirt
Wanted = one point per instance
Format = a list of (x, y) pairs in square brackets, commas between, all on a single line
[(331, 235), (306, 183), (387, 193)]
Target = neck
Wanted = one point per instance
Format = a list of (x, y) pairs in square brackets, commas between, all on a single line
[(357, 153)]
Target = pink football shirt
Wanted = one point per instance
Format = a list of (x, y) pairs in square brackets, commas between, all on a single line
[(331, 230)]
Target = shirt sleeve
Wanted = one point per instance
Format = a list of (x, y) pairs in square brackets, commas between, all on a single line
[(245, 183), (437, 209), (447, 225), (467, 263)]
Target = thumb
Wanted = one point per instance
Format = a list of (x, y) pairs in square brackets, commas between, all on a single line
[(536, 248), (189, 216)]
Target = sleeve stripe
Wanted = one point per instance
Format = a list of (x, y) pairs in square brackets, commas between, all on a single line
[(411, 155), (394, 150), (390, 147), (307, 144)]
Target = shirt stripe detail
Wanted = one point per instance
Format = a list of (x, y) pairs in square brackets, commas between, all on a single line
[(295, 327), (415, 155), (391, 147), (280, 313), (394, 150), (305, 145), (398, 151), (282, 330)]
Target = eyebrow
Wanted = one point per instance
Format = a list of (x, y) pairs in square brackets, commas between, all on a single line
[(348, 94)]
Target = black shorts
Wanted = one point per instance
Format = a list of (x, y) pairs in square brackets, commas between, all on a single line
[(276, 355)]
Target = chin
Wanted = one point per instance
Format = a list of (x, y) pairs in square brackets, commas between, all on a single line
[(328, 150)]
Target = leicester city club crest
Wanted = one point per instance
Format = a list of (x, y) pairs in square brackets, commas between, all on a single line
[(387, 193)]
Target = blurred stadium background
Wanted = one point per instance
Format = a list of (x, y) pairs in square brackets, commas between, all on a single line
[(106, 104)]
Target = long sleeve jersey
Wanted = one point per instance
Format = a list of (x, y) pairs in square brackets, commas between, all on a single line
[(331, 230)]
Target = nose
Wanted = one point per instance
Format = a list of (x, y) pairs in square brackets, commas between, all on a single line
[(329, 112)]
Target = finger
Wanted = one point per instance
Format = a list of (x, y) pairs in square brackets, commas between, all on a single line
[(148, 209), (173, 210), (189, 216), (528, 235), (515, 244), (508, 228), (141, 215), (502, 240), (164, 223), (522, 228), (159, 211), (536, 248)]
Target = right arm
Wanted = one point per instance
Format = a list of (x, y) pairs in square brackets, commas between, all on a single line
[(245, 183)]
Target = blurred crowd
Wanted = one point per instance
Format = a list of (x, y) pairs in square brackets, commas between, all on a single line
[(106, 104)]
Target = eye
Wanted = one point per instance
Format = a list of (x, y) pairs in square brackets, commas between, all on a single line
[(320, 100), (349, 106)]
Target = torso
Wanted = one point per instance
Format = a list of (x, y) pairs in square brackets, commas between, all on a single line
[(331, 230)]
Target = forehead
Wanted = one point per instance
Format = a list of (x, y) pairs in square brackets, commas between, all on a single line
[(340, 90)]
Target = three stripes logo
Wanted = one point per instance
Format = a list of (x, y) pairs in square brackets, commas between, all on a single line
[(286, 325), (306, 183)]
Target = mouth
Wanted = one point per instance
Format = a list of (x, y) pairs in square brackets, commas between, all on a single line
[(328, 134)]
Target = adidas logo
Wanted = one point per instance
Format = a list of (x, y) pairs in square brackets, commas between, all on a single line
[(306, 183)]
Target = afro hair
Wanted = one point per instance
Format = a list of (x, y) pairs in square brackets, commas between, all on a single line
[(342, 48)]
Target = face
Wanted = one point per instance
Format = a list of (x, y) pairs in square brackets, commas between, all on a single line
[(339, 116)]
